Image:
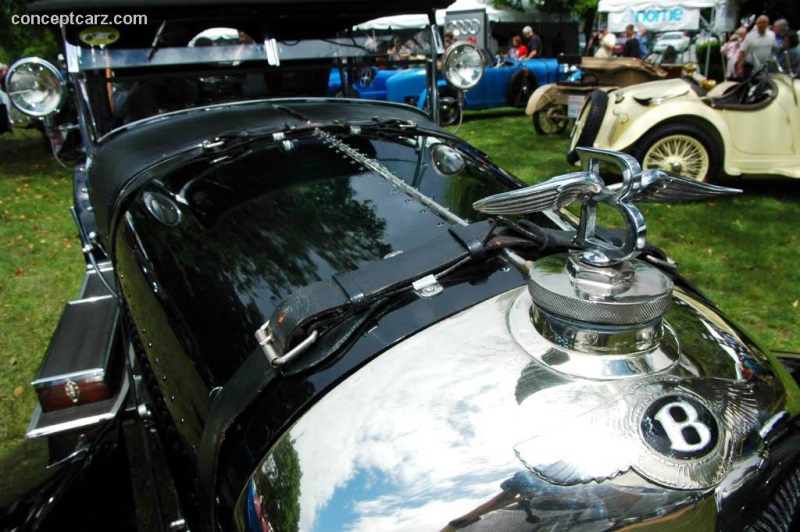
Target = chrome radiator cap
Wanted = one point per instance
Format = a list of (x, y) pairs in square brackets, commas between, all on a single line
[(629, 293)]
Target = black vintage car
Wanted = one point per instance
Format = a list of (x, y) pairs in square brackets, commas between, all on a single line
[(303, 313)]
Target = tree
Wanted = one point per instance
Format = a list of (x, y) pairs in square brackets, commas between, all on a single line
[(788, 9), (585, 9), (17, 40), (556, 7)]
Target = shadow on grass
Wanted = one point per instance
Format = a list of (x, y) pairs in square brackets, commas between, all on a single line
[(777, 187), (490, 114), (22, 147)]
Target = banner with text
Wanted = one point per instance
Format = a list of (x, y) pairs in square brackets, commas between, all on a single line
[(656, 19)]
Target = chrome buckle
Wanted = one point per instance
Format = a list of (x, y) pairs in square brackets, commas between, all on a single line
[(276, 360)]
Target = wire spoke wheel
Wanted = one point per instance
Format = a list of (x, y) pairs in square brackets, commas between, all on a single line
[(680, 154), (551, 120)]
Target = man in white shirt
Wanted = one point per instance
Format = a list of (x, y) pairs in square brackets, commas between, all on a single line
[(757, 48), (606, 45)]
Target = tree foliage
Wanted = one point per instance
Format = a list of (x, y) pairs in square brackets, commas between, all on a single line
[(585, 9), (556, 7), (788, 9), (17, 41)]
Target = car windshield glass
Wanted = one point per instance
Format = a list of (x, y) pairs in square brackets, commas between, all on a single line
[(176, 65), (204, 51), (196, 42)]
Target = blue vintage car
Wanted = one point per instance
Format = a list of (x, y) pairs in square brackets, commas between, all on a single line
[(509, 83), (368, 82), (506, 84)]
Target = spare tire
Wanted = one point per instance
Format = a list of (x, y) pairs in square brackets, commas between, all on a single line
[(588, 124)]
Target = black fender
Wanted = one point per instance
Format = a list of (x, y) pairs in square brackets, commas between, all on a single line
[(90, 486)]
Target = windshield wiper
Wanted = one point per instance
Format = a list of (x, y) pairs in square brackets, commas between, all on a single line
[(156, 41)]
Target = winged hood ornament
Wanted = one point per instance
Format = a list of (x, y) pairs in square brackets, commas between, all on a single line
[(600, 299), (587, 187)]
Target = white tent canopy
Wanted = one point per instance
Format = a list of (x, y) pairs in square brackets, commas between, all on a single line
[(399, 22), (614, 6), (527, 16), (657, 15)]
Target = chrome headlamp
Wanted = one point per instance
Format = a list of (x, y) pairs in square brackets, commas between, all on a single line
[(462, 65), (35, 87)]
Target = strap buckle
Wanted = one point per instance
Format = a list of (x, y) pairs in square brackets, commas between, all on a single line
[(276, 360)]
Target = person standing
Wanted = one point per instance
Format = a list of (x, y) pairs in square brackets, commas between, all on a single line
[(780, 28), (789, 56), (534, 44), (606, 43), (756, 49), (517, 50), (631, 48), (731, 51), (398, 51), (644, 42)]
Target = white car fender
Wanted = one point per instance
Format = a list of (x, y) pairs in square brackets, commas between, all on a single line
[(543, 95), (623, 138)]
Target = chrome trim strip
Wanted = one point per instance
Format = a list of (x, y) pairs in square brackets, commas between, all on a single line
[(88, 375), (34, 432)]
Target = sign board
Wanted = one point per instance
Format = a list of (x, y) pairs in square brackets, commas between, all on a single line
[(655, 19), (471, 25), (574, 105), (726, 19)]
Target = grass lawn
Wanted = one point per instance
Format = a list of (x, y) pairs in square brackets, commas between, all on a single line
[(41, 268), (742, 251)]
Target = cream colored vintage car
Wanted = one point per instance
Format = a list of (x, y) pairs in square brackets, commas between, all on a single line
[(554, 105), (752, 127)]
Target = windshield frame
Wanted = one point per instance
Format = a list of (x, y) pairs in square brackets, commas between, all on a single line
[(94, 71)]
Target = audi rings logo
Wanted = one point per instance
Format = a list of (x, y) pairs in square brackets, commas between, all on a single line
[(464, 26)]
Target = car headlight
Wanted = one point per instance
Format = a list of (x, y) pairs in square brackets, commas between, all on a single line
[(35, 87), (462, 65)]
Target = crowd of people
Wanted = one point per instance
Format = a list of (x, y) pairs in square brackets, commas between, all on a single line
[(526, 46), (637, 43), (746, 52)]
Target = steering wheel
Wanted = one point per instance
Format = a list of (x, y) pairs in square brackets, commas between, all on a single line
[(755, 85)]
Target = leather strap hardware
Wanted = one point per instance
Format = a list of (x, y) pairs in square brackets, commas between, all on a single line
[(265, 340)]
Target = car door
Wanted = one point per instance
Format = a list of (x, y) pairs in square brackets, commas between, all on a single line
[(767, 136), (491, 91)]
